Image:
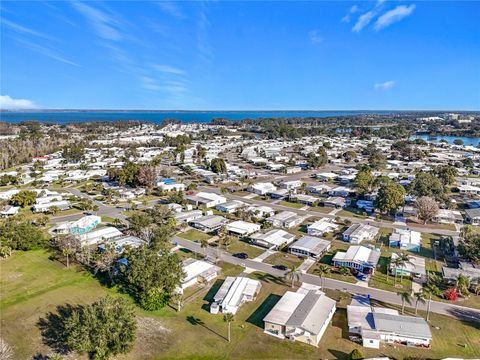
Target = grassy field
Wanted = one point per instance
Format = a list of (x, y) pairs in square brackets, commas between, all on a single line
[(33, 285), (321, 209), (282, 258), (380, 280), (352, 212), (194, 235), (291, 204), (239, 246)]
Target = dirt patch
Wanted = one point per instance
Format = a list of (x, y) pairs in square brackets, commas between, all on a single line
[(152, 338)]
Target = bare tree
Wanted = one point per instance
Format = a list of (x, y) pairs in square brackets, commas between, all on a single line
[(68, 245), (427, 208)]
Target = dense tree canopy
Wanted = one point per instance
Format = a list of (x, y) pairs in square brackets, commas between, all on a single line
[(427, 184), (390, 197), (377, 160), (218, 166), (21, 235), (103, 329), (24, 198), (469, 246), (152, 276), (364, 182)]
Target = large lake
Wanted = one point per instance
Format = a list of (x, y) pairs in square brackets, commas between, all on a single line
[(62, 117), (472, 141)]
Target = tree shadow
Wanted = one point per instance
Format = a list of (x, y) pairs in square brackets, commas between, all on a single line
[(52, 328), (339, 355), (270, 279), (256, 318), (199, 322)]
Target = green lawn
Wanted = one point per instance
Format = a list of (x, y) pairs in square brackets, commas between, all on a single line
[(321, 209), (291, 204), (33, 285), (352, 212), (239, 246), (194, 235), (380, 280), (282, 258)]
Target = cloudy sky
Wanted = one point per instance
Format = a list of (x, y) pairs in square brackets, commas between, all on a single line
[(240, 55)]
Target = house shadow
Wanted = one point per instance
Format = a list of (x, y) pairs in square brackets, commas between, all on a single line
[(339, 321), (256, 318), (52, 328), (208, 298)]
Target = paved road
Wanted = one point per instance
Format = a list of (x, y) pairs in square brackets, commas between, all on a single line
[(460, 312)]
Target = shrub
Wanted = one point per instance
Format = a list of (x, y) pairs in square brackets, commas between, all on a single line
[(356, 355), (451, 294)]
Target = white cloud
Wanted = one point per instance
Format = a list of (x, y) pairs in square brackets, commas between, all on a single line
[(8, 103), (315, 37), (171, 9), (167, 69), (52, 53), (393, 16), (354, 9), (25, 30), (363, 21), (385, 85), (104, 25)]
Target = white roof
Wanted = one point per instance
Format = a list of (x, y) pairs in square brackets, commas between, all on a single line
[(323, 225), (96, 236), (196, 268), (283, 310), (242, 227)]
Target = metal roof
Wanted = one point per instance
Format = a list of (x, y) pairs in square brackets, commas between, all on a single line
[(402, 325)]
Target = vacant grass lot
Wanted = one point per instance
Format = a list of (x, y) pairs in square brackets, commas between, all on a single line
[(194, 235), (282, 258), (291, 204), (33, 285), (239, 246)]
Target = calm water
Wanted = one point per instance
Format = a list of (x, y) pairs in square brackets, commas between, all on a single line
[(472, 141), (159, 116)]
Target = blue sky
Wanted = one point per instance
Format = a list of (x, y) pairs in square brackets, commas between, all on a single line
[(240, 55)]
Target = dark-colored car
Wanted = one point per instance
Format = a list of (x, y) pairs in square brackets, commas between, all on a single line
[(280, 267), (241, 255)]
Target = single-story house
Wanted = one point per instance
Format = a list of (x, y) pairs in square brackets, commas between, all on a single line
[(406, 239), (242, 228), (465, 268), (278, 194), (62, 205), (206, 199), (261, 211), (358, 257), (414, 268), (318, 189), (326, 176), (98, 236), (188, 216), (310, 246), (472, 216), (230, 206), (357, 233), (286, 219), (261, 188), (84, 225), (300, 316), (290, 185), (196, 271), (304, 199), (120, 243), (341, 191), (446, 216), (322, 226), (9, 211), (209, 223), (272, 239), (335, 202), (378, 324), (366, 205), (233, 293)]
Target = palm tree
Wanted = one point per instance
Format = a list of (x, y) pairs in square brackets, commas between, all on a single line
[(419, 297), (430, 288), (344, 271), (463, 284), (293, 274), (228, 318), (321, 271), (406, 260), (399, 262), (406, 297), (204, 245), (117, 222)]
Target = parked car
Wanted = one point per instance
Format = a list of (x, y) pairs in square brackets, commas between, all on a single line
[(240, 255), (280, 267)]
